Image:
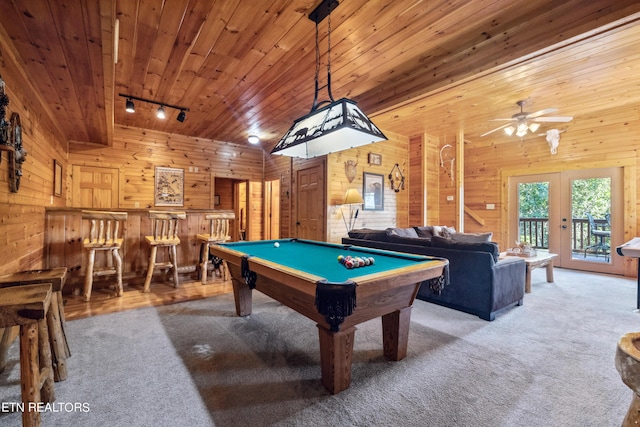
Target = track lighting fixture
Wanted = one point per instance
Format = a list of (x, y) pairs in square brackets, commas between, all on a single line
[(160, 112), (130, 108)]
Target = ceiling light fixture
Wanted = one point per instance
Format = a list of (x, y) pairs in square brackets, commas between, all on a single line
[(253, 139), (338, 126), (160, 112), (130, 108)]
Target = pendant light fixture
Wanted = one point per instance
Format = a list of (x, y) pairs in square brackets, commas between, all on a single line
[(338, 126)]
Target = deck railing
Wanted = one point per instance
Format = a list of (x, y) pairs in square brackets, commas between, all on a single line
[(536, 232)]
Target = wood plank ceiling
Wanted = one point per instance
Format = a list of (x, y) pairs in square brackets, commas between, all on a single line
[(246, 67)]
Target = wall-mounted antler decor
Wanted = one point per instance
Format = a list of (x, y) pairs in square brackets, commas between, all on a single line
[(396, 178)]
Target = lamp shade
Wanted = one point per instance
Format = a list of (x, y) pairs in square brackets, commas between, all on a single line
[(353, 197), (338, 126)]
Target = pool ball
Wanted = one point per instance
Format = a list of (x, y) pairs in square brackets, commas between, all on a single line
[(340, 258), (276, 244)]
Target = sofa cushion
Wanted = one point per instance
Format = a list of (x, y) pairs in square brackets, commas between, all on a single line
[(490, 247), (402, 232), (369, 234), (426, 231), (415, 241), (471, 237)]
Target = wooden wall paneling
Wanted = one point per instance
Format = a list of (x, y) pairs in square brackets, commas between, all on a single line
[(418, 189), (280, 167), (255, 223), (396, 204), (432, 169)]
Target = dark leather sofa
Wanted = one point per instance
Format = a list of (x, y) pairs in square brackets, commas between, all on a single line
[(479, 283)]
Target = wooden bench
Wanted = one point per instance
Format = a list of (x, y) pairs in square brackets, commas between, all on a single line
[(27, 306)]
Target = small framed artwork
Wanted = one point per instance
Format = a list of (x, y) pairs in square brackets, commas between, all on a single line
[(373, 191), (216, 200), (57, 179), (375, 159), (169, 187)]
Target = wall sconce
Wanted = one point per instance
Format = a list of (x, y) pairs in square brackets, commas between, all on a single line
[(160, 112)]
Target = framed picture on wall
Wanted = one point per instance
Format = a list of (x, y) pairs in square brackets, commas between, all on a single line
[(57, 179), (373, 191), (169, 187)]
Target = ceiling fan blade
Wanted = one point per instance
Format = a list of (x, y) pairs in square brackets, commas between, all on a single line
[(542, 112), (498, 128), (511, 119), (553, 119)]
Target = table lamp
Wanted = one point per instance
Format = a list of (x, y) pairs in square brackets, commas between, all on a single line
[(352, 197)]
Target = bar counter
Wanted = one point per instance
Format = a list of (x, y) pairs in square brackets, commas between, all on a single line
[(65, 231)]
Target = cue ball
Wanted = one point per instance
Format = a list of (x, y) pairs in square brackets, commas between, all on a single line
[(276, 244)]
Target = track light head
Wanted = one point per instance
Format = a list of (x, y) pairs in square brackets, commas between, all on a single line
[(130, 108), (181, 116), (161, 114)]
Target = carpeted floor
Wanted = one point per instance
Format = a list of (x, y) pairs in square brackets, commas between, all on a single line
[(547, 363)]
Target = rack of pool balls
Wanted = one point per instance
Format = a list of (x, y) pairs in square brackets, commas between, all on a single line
[(355, 262)]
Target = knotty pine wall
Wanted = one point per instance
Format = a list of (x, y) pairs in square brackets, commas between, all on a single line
[(138, 151), (396, 204), (22, 214), (610, 139)]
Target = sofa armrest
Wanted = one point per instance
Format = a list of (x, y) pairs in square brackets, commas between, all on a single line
[(508, 281)]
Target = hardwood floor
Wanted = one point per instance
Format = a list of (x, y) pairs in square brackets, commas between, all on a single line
[(104, 301)]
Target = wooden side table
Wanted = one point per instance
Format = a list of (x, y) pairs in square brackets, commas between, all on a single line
[(55, 315), (540, 260)]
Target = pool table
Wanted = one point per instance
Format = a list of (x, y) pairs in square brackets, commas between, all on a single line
[(306, 276)]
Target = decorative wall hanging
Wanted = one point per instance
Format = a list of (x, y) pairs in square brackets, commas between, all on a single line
[(4, 125), (18, 155), (375, 159), (169, 189), (350, 169), (553, 139), (57, 179), (446, 156), (373, 190), (396, 178)]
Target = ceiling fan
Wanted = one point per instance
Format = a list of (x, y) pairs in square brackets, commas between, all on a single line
[(520, 122)]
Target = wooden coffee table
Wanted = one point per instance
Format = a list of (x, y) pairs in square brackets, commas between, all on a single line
[(543, 259)]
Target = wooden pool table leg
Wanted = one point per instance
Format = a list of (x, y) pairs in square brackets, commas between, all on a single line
[(242, 296), (336, 352), (395, 333)]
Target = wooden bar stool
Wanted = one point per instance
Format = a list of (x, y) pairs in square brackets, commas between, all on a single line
[(164, 234), (103, 236), (26, 307), (55, 316), (218, 233)]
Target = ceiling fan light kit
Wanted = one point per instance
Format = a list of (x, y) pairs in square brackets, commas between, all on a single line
[(527, 122)]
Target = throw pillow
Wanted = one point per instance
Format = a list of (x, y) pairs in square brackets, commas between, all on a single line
[(489, 247), (414, 241), (402, 232), (471, 237), (443, 230)]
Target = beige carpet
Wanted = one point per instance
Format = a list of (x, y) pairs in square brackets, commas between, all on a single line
[(547, 363)]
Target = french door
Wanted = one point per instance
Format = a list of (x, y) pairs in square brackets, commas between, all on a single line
[(552, 210)]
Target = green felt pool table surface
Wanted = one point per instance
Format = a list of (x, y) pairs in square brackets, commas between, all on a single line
[(321, 259)]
